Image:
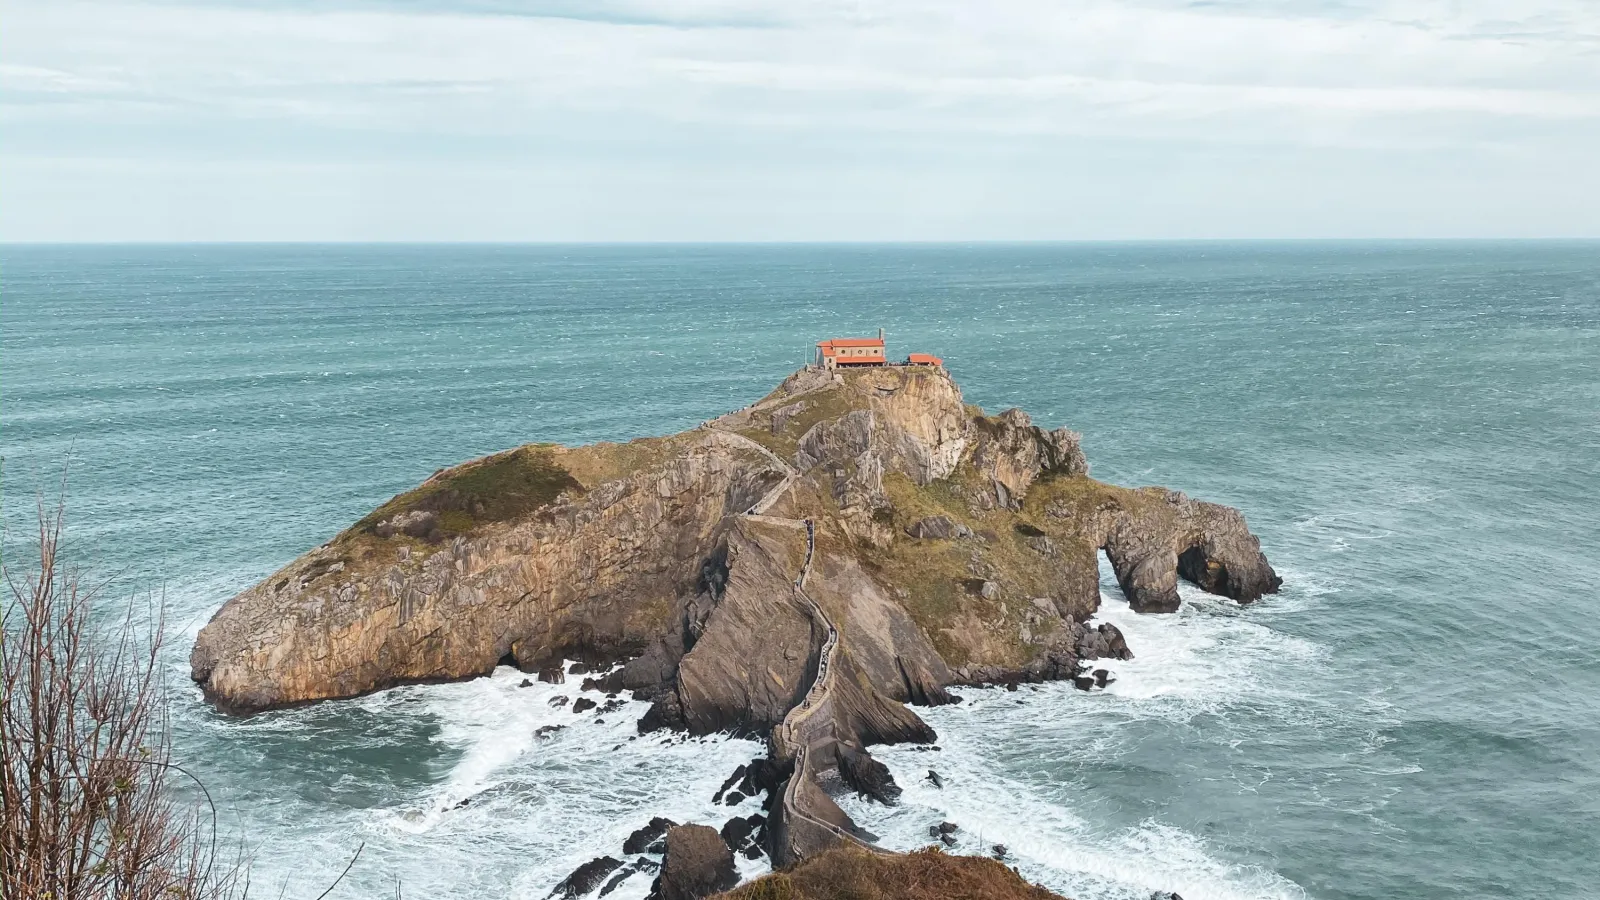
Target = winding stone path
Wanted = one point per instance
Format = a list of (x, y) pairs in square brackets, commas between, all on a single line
[(800, 731)]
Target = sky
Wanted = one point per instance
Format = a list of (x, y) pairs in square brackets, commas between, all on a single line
[(730, 120)]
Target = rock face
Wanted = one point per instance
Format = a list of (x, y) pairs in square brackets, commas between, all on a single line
[(697, 864), (950, 547)]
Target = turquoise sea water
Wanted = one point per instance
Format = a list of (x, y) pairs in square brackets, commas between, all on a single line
[(1412, 429)]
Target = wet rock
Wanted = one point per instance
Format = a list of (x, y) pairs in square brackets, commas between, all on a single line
[(999, 851), (1166, 895), (558, 701), (697, 864), (617, 880), (525, 683), (734, 798), (586, 877), (544, 731), (738, 775), (867, 776), (942, 829), (1104, 641), (611, 706), (577, 668), (1083, 682), (739, 833), (552, 675), (645, 835), (1102, 677), (583, 704), (934, 777)]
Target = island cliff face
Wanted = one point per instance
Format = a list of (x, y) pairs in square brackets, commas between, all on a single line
[(860, 539)]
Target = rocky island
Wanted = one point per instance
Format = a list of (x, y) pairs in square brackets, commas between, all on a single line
[(806, 569)]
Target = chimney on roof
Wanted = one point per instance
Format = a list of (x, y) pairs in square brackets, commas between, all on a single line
[(880, 334)]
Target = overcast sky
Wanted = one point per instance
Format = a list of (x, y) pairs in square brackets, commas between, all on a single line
[(732, 120)]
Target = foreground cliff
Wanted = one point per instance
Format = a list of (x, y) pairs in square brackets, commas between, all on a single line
[(802, 568)]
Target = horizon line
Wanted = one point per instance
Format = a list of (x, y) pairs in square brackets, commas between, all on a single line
[(799, 243)]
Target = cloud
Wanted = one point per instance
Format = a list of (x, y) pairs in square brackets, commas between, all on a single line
[(646, 82)]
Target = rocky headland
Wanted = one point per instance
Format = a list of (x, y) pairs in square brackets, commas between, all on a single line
[(806, 569)]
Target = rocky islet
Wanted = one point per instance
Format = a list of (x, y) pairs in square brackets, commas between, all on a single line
[(861, 540)]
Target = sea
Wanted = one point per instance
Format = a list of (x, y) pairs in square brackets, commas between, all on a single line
[(1412, 429)]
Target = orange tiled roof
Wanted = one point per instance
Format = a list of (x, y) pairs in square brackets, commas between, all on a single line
[(850, 342), (927, 359)]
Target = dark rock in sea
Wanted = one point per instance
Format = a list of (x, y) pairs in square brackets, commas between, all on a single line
[(583, 704), (1102, 677), (761, 775), (586, 877), (1083, 682), (577, 668), (591, 684), (949, 840), (1104, 641), (738, 775), (611, 706), (999, 851), (1166, 895), (934, 777), (645, 835), (866, 775), (942, 829), (697, 864), (646, 864), (739, 833), (544, 731), (658, 846), (525, 683), (552, 675), (734, 798), (616, 881), (558, 700)]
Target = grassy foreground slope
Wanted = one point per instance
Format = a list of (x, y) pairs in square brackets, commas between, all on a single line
[(850, 873)]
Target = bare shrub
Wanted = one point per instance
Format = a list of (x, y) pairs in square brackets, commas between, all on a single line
[(88, 806)]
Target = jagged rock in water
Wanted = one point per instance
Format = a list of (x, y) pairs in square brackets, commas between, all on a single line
[(738, 774), (645, 835), (552, 675), (741, 833), (583, 704), (697, 864), (586, 878), (1104, 641), (866, 775)]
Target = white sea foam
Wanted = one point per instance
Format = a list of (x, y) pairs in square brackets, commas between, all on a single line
[(515, 813), (1019, 769)]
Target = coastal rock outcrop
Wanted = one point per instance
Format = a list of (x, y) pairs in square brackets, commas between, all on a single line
[(951, 547), (809, 569), (697, 864)]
